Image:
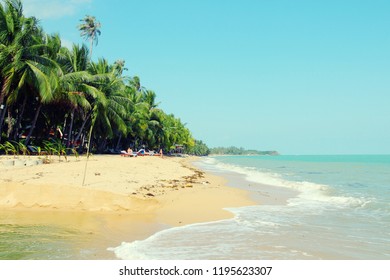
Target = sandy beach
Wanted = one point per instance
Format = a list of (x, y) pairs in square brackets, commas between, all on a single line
[(123, 199)]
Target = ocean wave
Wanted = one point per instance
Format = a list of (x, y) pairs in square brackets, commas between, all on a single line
[(129, 251), (309, 192), (319, 211), (173, 243)]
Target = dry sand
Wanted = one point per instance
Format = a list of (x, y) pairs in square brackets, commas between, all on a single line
[(123, 199)]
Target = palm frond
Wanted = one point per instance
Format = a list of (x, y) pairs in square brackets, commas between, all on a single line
[(43, 83)]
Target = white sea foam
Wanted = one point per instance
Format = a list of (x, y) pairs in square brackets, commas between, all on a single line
[(175, 243), (308, 192), (275, 231), (129, 251)]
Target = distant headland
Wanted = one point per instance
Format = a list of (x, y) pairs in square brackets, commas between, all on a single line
[(240, 151)]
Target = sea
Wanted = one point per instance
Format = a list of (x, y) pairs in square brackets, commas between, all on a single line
[(337, 207)]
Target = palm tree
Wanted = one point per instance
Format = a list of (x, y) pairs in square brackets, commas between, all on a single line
[(11, 26), (175, 132), (44, 73), (90, 30), (74, 89), (153, 129), (110, 116), (119, 67), (47, 86), (25, 61)]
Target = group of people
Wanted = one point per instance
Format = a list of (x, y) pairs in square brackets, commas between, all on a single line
[(141, 152)]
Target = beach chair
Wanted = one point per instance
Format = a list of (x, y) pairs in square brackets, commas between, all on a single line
[(32, 150), (126, 154)]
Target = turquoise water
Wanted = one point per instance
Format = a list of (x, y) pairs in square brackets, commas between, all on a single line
[(364, 178), (341, 211)]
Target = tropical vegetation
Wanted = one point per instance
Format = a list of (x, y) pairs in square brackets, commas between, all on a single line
[(51, 93), (199, 149)]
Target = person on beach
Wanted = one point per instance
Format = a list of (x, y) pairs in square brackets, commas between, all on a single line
[(161, 153)]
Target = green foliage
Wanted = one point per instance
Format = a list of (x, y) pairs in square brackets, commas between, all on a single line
[(60, 149), (22, 148), (74, 152), (55, 147), (199, 149), (90, 30), (39, 151), (2, 148), (10, 148), (49, 88), (48, 148)]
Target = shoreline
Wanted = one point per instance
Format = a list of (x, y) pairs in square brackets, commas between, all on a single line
[(162, 193)]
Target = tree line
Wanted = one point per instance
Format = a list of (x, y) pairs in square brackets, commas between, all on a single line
[(239, 151), (48, 91)]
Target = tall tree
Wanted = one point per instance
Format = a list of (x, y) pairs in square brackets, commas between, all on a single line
[(74, 90), (44, 72), (47, 86), (111, 114), (90, 30), (11, 28), (25, 58)]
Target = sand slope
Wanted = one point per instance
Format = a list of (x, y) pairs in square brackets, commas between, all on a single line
[(169, 187)]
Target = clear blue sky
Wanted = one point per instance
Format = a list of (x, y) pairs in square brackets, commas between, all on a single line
[(300, 77)]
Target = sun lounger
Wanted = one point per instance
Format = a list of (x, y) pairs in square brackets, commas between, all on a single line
[(33, 150), (126, 154)]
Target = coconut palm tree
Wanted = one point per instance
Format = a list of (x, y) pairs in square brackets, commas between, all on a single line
[(90, 30), (110, 118), (43, 73), (74, 89), (119, 67), (175, 132), (11, 26), (46, 86), (25, 59)]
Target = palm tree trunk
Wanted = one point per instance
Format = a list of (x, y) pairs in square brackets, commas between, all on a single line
[(3, 105), (64, 127), (20, 116), (33, 124), (70, 128), (82, 126), (88, 148), (91, 48), (80, 149), (10, 128), (2, 116), (102, 146), (2, 92), (119, 142)]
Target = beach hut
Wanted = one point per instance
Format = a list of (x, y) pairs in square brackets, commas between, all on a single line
[(178, 150)]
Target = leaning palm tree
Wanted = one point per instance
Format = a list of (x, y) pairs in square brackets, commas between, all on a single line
[(90, 30)]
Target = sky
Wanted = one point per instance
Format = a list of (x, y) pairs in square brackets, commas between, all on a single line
[(299, 77)]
